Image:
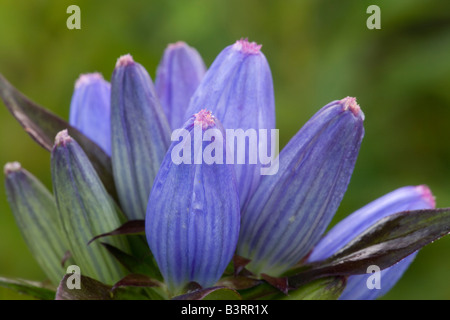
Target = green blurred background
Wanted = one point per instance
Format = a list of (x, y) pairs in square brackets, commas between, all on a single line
[(318, 51)]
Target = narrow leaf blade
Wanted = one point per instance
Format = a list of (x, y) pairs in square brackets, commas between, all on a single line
[(33, 289)]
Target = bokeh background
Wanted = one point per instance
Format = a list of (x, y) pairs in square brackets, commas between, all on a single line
[(318, 50)]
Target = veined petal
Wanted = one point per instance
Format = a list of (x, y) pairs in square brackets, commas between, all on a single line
[(178, 76), (140, 135), (238, 89), (192, 222), (90, 109), (85, 209), (402, 199), (36, 215), (291, 209)]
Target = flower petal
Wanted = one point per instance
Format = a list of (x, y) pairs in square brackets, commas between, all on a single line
[(140, 135), (291, 209), (238, 89), (36, 215), (90, 109), (193, 217), (85, 209), (178, 76)]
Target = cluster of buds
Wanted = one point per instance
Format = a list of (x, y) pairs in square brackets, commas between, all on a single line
[(208, 226)]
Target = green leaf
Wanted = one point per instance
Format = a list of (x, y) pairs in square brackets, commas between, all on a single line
[(136, 280), (90, 289), (321, 289), (33, 289), (42, 126), (36, 215), (214, 293), (86, 210), (133, 263), (387, 242)]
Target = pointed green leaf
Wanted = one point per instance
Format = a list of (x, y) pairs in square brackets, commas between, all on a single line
[(90, 289), (133, 263), (33, 289), (36, 215), (384, 244), (136, 280), (86, 210), (128, 228), (321, 289), (42, 126), (214, 293)]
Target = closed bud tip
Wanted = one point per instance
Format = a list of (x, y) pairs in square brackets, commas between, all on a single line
[(349, 103), (204, 118), (62, 138), (87, 78), (124, 60), (176, 45), (427, 195), (11, 167), (247, 47)]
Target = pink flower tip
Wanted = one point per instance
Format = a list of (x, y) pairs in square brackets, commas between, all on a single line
[(124, 60), (11, 167), (177, 45), (247, 47), (350, 103), (204, 118), (427, 195), (87, 78), (62, 138)]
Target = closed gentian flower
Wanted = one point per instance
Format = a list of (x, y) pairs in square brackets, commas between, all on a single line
[(238, 89), (179, 73), (290, 210), (403, 199), (192, 222), (90, 109), (140, 135)]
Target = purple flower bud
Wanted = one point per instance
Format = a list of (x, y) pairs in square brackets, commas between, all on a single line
[(403, 199), (179, 74), (140, 135), (193, 217), (90, 109), (238, 89), (291, 209)]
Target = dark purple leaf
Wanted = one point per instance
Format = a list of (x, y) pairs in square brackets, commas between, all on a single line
[(90, 290), (128, 228), (136, 280), (214, 293), (384, 244), (132, 263), (42, 126), (279, 283)]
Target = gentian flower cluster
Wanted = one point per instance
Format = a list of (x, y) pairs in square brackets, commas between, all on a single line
[(199, 215)]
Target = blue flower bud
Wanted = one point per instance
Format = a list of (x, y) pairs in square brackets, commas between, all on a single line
[(238, 89), (403, 199), (85, 210), (179, 74), (140, 135), (193, 217), (90, 109), (291, 209)]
